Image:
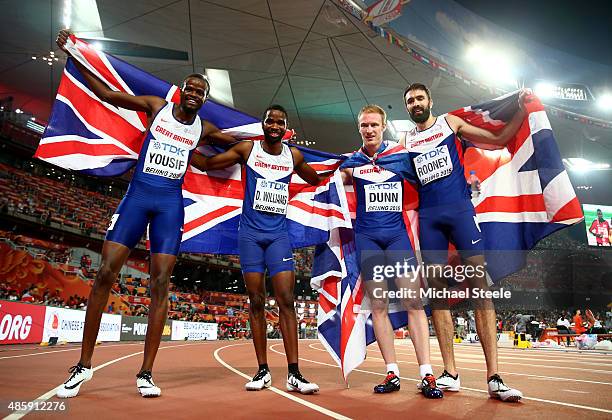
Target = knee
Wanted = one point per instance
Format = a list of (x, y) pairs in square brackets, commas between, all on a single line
[(105, 277), (286, 303), (412, 304), (160, 284), (257, 302), (379, 308)]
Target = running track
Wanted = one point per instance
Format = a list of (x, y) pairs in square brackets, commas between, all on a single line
[(207, 379)]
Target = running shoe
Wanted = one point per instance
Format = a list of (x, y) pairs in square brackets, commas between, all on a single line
[(146, 386), (429, 388), (498, 389), (297, 383), (448, 382), (261, 380), (78, 375), (390, 384)]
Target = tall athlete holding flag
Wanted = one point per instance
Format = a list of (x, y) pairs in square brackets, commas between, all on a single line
[(264, 238), (446, 213), (153, 198)]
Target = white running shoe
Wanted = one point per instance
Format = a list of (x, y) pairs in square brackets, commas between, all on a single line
[(146, 386), (79, 375), (297, 383), (498, 389), (447, 382), (261, 380)]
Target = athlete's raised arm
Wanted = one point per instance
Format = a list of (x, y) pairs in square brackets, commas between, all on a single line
[(481, 135), (147, 104)]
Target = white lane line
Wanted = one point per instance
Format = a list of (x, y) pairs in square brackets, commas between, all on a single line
[(577, 392), (17, 415), (41, 353), (553, 378), (565, 353), (605, 372), (583, 407), (308, 404), (480, 356)]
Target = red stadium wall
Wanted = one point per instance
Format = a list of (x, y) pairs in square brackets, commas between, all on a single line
[(20, 271)]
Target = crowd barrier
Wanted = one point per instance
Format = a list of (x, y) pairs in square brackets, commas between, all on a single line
[(22, 323)]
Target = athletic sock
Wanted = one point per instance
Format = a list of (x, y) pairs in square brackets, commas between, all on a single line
[(293, 368), (425, 370), (392, 367), (264, 367)]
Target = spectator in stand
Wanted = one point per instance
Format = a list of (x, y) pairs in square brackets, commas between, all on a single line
[(111, 308), (27, 295)]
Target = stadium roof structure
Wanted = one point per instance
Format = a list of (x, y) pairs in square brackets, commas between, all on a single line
[(311, 56)]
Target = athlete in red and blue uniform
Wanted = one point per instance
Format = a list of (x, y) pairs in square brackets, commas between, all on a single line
[(600, 228), (446, 214), (382, 244), (264, 238), (153, 198)]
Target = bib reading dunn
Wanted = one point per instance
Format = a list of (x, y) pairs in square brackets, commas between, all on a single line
[(384, 196), (271, 196)]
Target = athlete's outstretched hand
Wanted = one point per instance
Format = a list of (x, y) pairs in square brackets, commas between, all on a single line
[(62, 38)]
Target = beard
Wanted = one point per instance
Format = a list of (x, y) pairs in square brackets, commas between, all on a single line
[(422, 117), (273, 139)]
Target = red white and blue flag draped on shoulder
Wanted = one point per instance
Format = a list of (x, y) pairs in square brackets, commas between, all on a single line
[(526, 193)]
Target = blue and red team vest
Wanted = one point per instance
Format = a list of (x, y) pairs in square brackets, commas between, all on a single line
[(437, 156), (266, 180), (166, 150), (379, 198)]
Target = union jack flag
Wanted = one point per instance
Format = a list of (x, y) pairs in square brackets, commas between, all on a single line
[(526, 193)]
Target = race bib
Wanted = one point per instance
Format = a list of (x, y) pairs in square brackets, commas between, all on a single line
[(164, 159), (384, 196), (271, 196), (434, 164)]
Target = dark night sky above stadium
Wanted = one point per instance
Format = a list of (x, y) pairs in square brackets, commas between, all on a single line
[(582, 29)]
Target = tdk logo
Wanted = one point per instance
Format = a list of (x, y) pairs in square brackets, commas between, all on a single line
[(431, 154), (384, 186), (274, 185), (170, 148)]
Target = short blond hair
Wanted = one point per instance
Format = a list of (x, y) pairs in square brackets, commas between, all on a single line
[(373, 109)]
